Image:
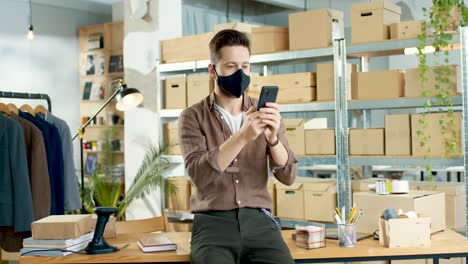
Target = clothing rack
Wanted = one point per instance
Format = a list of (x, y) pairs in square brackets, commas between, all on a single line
[(28, 96)]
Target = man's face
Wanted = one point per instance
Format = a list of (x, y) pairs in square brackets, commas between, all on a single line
[(232, 59)]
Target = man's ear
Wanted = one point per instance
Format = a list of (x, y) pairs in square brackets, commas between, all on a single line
[(211, 70)]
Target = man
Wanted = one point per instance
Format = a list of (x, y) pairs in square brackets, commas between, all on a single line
[(226, 144)]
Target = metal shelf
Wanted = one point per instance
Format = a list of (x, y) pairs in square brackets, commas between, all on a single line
[(174, 158), (330, 106), (305, 161), (375, 49)]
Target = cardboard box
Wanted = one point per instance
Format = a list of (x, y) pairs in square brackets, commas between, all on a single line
[(198, 87), (326, 81), (370, 22), (454, 200), (295, 135), (239, 26), (363, 142), (397, 135), (272, 191), (290, 200), (293, 87), (402, 233), (61, 227), (187, 48), (180, 200), (409, 261), (269, 39), (377, 85), (448, 261), (172, 138), (111, 229), (314, 29), (436, 141), (320, 142), (319, 192), (426, 203), (414, 86), (175, 93), (362, 185), (406, 29)]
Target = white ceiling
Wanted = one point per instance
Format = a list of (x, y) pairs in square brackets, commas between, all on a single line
[(95, 6)]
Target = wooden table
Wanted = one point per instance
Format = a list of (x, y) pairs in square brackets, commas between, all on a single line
[(446, 244)]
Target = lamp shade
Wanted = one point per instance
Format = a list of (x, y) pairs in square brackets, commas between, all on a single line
[(128, 98)]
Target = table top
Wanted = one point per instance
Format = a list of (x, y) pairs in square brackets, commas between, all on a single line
[(447, 242)]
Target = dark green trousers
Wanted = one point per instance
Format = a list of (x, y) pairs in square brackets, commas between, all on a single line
[(245, 235)]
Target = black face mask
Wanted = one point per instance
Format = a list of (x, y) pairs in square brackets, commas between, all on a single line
[(234, 84)]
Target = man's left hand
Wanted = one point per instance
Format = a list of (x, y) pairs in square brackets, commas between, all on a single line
[(271, 116)]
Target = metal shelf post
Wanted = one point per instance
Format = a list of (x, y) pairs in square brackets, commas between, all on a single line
[(464, 64)]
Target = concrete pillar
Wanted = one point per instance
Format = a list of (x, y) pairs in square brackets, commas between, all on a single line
[(141, 51)]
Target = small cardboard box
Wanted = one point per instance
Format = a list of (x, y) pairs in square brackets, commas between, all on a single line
[(319, 192), (172, 138), (414, 86), (61, 227), (426, 203), (187, 48), (180, 200), (326, 81), (397, 135), (454, 200), (290, 200), (366, 142), (370, 22), (295, 135), (436, 141), (111, 229), (401, 233), (198, 87), (293, 87), (362, 185), (377, 85), (239, 26), (269, 39), (272, 191), (320, 142), (326, 25), (175, 93), (406, 29)]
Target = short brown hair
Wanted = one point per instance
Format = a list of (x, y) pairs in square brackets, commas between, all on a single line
[(227, 37)]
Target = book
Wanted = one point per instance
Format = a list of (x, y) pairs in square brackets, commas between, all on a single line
[(90, 64), (97, 92), (56, 243), (155, 244), (116, 63), (87, 90), (53, 252)]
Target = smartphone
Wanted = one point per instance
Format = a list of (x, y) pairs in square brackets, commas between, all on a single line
[(268, 94)]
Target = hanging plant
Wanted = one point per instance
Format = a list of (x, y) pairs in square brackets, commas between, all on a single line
[(441, 20)]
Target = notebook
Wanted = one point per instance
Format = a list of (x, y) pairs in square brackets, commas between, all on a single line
[(155, 244)]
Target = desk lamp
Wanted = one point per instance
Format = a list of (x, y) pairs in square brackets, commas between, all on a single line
[(127, 98)]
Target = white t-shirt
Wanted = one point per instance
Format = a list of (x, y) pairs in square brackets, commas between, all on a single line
[(234, 122)]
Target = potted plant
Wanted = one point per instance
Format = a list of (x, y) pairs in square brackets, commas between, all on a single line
[(441, 21)]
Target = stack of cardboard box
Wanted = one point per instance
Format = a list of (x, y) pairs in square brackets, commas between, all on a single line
[(181, 92)]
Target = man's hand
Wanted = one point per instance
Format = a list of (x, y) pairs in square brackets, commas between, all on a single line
[(252, 126), (271, 117)]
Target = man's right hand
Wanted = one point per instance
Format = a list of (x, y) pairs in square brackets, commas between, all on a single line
[(252, 126)]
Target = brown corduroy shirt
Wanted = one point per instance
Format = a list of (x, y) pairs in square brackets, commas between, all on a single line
[(201, 131)]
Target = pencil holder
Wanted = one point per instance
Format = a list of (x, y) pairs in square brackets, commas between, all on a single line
[(347, 235)]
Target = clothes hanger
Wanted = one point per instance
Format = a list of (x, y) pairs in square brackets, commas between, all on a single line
[(28, 109), (13, 109), (4, 109), (40, 109)]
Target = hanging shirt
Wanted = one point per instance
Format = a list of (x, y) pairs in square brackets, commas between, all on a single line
[(37, 167), (16, 200), (54, 160), (234, 122), (70, 181)]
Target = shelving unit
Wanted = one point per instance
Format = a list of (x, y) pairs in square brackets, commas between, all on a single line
[(112, 40), (359, 52)]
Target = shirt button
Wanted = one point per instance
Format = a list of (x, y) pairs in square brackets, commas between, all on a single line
[(235, 160), (239, 202), (222, 117), (237, 181)]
